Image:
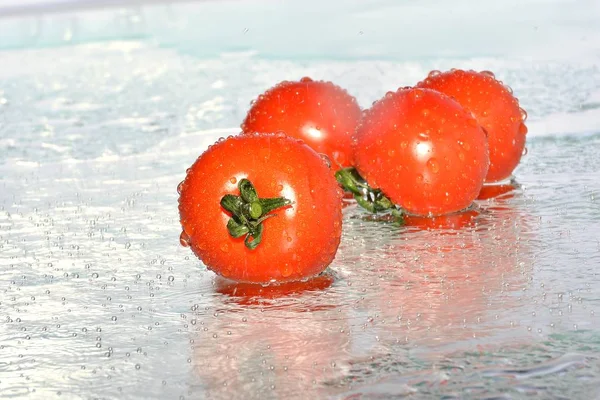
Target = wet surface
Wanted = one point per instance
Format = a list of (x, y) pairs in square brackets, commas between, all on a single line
[(99, 300)]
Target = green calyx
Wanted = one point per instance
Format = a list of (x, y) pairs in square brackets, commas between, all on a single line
[(249, 212), (372, 200)]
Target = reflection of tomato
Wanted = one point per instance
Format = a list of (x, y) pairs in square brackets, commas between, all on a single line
[(494, 107), (434, 284), (298, 240), (320, 113), (449, 221), (252, 293), (271, 351), (494, 191), (423, 150)]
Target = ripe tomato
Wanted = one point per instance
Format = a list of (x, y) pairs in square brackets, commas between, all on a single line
[(423, 150), (320, 113), (295, 239), (495, 109)]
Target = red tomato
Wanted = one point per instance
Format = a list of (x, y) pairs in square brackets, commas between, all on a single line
[(321, 114), (423, 150), (495, 109), (298, 239)]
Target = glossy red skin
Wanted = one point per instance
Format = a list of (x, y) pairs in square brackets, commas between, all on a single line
[(300, 242), (320, 113), (495, 109), (423, 150)]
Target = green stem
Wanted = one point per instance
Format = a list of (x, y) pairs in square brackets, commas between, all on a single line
[(248, 212), (372, 200)]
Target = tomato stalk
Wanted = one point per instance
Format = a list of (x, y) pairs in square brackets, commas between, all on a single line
[(372, 200), (249, 212)]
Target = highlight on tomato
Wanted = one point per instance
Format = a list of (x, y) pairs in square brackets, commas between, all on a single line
[(261, 208), (320, 113)]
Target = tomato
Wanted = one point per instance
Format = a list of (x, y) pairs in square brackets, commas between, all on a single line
[(495, 109), (320, 113), (228, 218), (423, 151)]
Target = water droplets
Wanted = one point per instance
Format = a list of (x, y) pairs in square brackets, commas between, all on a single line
[(184, 239), (434, 73), (523, 129), (325, 159), (434, 165), (523, 114)]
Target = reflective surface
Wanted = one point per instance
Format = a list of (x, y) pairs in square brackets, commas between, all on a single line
[(98, 298)]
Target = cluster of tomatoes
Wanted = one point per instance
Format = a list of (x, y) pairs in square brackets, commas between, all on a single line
[(266, 205)]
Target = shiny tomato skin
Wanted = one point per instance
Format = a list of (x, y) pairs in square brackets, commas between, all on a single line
[(299, 242), (495, 109), (423, 150), (320, 113)]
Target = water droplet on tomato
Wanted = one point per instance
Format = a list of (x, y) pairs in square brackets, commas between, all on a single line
[(433, 165), (233, 180), (508, 89), (305, 79), (391, 152), (403, 145), (419, 178), (434, 73), (524, 151), (488, 73), (424, 135), (461, 156), (389, 94), (523, 114), (225, 247), (279, 187), (415, 94), (184, 239), (326, 160), (179, 187), (523, 129)]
